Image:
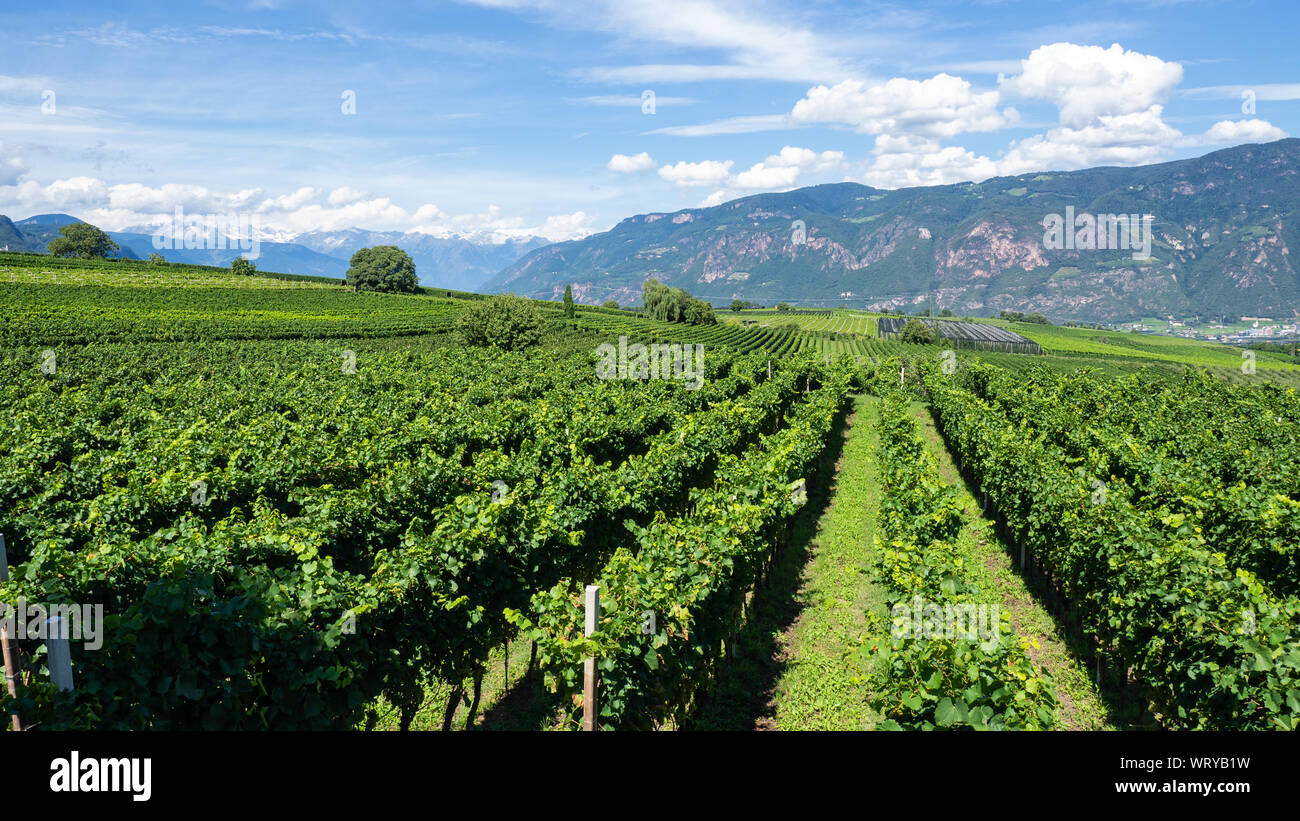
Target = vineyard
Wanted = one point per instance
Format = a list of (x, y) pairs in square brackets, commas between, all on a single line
[(302, 506), (1165, 513)]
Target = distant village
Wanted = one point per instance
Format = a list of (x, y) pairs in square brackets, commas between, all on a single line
[(1249, 329)]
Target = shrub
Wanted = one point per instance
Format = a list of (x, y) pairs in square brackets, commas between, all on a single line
[(502, 321), (917, 331)]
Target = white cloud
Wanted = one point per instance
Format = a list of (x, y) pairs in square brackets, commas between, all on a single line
[(759, 45), (942, 106), (1263, 91), (137, 207), (902, 162), (289, 202), (778, 172), (688, 174), (731, 125), (1235, 132), (345, 196), (1088, 82), (11, 165), (1122, 139), (623, 164)]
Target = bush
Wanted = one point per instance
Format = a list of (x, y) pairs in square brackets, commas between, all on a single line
[(502, 321), (242, 267), (385, 268), (81, 239), (917, 331), (699, 312)]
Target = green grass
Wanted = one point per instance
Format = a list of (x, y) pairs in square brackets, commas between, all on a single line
[(822, 687), (796, 664)]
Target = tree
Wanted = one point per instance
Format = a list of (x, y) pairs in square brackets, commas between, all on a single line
[(81, 239), (945, 312), (157, 259), (783, 306), (502, 321), (917, 331), (242, 267), (663, 302), (568, 301), (699, 312), (384, 268), (609, 303)]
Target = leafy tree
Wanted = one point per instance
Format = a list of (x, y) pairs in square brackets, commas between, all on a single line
[(945, 312), (609, 303), (242, 267), (157, 259), (664, 303), (502, 321), (81, 239), (384, 268), (568, 301), (783, 306), (699, 312), (917, 331)]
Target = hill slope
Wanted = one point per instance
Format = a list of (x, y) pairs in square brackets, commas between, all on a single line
[(1224, 226)]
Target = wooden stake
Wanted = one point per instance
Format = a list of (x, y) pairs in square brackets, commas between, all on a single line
[(59, 654), (589, 665), (8, 646)]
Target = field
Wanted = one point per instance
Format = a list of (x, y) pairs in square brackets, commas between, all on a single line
[(302, 507)]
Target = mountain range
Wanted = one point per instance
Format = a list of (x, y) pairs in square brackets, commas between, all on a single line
[(462, 263), (1223, 226)]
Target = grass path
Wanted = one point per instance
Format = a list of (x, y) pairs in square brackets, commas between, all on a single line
[(822, 687), (1083, 705), (796, 667)]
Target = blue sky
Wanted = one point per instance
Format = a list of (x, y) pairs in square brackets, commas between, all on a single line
[(514, 117)]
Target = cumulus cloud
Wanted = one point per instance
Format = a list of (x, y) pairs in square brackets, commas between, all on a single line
[(942, 106), (345, 196), (1089, 82), (778, 172), (623, 164), (690, 174), (902, 162), (1235, 132)]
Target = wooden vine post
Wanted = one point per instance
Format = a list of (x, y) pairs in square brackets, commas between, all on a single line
[(589, 664), (8, 645)]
